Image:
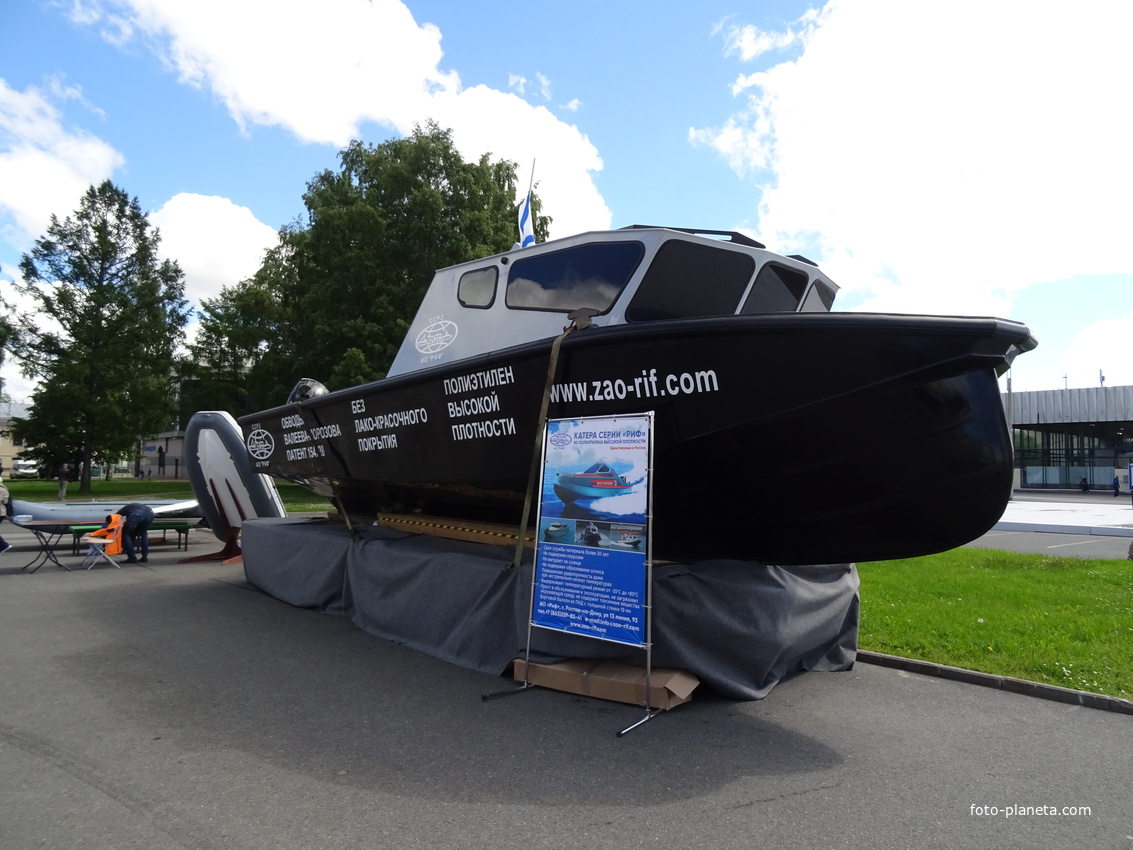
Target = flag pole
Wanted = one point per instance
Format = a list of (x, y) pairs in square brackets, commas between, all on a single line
[(526, 215)]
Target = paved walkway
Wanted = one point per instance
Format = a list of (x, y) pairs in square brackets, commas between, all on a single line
[(1086, 516), (170, 705)]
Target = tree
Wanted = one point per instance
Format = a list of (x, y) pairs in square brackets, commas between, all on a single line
[(247, 341), (108, 317), (336, 297), (378, 230), (9, 337), (232, 337)]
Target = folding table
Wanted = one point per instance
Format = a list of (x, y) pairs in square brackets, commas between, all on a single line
[(48, 532)]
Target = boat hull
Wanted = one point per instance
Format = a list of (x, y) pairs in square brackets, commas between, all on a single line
[(70, 513), (784, 438), (572, 488), (226, 488)]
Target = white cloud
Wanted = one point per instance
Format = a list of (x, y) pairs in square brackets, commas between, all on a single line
[(319, 70), (751, 42), (16, 386), (60, 91), (565, 160), (544, 86), (216, 242), (1077, 359), (948, 154), (1100, 348), (114, 27), (44, 167), (323, 70)]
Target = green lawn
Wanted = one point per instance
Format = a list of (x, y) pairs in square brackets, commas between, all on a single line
[(1064, 621)]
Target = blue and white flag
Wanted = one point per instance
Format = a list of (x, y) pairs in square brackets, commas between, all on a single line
[(526, 225)]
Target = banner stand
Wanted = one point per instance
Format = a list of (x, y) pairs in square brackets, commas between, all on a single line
[(593, 570), (649, 712)]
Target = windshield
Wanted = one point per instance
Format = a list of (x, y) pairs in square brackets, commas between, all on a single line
[(590, 275)]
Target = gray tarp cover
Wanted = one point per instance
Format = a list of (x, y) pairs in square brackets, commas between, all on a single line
[(740, 626)]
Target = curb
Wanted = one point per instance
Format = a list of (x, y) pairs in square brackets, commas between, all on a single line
[(1001, 683)]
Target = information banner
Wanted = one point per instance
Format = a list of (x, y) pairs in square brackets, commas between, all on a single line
[(593, 536)]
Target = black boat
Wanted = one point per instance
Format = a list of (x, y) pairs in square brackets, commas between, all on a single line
[(783, 433)]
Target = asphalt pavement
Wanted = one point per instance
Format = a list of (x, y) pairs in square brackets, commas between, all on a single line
[(1064, 523), (171, 705)]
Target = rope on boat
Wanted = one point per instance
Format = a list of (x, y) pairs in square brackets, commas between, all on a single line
[(579, 319)]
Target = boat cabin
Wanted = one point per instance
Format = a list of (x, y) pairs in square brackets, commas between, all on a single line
[(636, 274)]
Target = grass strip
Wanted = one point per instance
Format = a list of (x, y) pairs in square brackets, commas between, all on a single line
[(1062, 621)]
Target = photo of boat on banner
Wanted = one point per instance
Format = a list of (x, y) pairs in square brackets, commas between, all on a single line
[(590, 498), (606, 535)]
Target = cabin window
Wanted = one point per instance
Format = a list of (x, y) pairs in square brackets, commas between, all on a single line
[(590, 275), (687, 279), (478, 288), (777, 289), (819, 300)]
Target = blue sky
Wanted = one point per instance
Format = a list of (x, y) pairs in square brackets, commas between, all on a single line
[(935, 157)]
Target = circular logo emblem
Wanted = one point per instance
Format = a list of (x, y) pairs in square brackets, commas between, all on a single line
[(560, 439), (260, 444), (437, 336)]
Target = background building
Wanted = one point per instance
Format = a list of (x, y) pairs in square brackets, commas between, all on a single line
[(163, 456), (1063, 436), (9, 448), (160, 456)]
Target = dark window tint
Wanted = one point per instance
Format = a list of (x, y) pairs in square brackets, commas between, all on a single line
[(777, 290), (819, 300), (478, 288), (588, 275), (687, 280)]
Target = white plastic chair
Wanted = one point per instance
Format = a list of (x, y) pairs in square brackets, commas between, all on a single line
[(97, 552)]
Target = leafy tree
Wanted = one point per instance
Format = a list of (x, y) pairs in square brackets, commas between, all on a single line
[(352, 369), (53, 431), (334, 300), (379, 228), (108, 317), (245, 348), (233, 335), (9, 337)]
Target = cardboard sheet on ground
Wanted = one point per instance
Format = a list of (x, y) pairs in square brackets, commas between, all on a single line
[(739, 626)]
